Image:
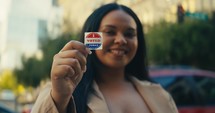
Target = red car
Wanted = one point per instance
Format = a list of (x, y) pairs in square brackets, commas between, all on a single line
[(193, 90)]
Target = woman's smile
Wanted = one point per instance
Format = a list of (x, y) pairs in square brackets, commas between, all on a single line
[(118, 52)]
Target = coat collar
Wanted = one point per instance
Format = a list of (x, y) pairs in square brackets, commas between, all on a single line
[(154, 96), (157, 99), (96, 101)]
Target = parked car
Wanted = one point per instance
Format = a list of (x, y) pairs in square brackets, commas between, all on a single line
[(193, 90), (4, 109)]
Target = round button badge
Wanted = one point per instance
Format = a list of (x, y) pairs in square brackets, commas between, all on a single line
[(93, 40)]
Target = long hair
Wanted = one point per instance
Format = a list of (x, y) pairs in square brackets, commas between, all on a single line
[(137, 66)]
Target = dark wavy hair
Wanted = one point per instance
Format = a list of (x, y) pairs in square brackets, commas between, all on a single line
[(136, 68)]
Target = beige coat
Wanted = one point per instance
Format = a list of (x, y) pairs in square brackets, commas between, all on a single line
[(157, 99)]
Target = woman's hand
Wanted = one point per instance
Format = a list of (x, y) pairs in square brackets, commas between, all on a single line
[(67, 71)]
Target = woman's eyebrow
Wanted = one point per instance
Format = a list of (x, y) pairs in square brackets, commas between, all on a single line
[(131, 29), (112, 26), (109, 26)]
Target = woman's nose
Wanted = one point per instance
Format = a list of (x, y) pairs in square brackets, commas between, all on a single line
[(120, 39)]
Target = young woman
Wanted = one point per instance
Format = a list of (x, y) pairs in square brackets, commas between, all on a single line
[(111, 80)]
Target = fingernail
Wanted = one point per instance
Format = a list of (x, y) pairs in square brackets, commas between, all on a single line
[(88, 50), (85, 69)]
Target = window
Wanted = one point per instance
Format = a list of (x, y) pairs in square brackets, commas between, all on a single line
[(54, 2), (42, 29)]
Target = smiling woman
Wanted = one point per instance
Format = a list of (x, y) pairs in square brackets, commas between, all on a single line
[(111, 80)]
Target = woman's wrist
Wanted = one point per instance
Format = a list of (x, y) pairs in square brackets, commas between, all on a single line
[(61, 102)]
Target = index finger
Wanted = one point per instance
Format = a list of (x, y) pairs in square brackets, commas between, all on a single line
[(76, 45)]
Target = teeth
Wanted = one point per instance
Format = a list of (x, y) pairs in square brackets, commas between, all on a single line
[(118, 52)]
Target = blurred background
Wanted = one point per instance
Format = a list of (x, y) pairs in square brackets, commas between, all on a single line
[(180, 37)]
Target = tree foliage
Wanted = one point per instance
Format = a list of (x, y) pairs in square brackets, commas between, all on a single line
[(189, 43), (7, 80), (34, 69)]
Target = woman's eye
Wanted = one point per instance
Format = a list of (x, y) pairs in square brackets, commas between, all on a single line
[(129, 34), (111, 33)]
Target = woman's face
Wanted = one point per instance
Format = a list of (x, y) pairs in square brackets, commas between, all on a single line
[(119, 39)]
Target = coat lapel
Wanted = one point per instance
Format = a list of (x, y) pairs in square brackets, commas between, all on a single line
[(157, 99), (96, 101)]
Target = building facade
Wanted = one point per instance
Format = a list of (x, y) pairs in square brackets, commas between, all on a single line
[(149, 11), (22, 24)]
